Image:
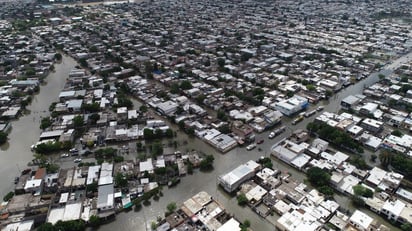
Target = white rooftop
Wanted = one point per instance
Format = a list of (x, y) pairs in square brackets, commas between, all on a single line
[(394, 207), (230, 225), (361, 219), (146, 165)]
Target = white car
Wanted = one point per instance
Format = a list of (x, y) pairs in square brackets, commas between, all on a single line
[(251, 146), (78, 160), (65, 155), (272, 135)]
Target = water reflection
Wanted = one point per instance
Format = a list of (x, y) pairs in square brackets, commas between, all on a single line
[(5, 146), (25, 131)]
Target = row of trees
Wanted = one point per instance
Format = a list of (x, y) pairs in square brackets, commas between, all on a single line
[(320, 178), (398, 162), (76, 225), (52, 146), (150, 134), (335, 136), (3, 137)]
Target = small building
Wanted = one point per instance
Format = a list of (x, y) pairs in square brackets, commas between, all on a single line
[(393, 209), (66, 95), (54, 134), (11, 112), (233, 179), (330, 85), (105, 198), (74, 105), (230, 225), (296, 220), (349, 102), (292, 106), (19, 226), (93, 174), (106, 173), (368, 108), (372, 125), (360, 221), (167, 108), (34, 186)]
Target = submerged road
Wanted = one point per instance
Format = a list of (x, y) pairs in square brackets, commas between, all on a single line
[(223, 163), (15, 154)]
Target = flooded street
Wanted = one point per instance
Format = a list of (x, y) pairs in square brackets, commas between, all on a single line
[(223, 163), (15, 154)]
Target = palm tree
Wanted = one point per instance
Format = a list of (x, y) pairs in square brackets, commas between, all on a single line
[(385, 158)]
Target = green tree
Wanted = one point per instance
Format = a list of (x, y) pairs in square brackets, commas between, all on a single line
[(397, 133), (266, 162), (153, 225), (245, 56), (143, 108), (157, 149), (326, 190), (169, 133), (174, 88), (92, 107), (207, 163), (120, 180), (186, 85), (221, 62), (200, 99), (94, 118), (46, 227), (328, 93), (385, 157), (310, 87), (171, 207), (3, 137), (8, 196), (221, 115), (318, 177), (92, 187), (406, 227), (78, 121), (83, 62), (359, 190), (93, 49), (94, 221), (245, 225), (359, 162), (47, 148), (122, 101), (242, 199), (357, 201), (58, 56), (45, 123)]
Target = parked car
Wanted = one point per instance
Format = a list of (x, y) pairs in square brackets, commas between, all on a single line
[(297, 120), (272, 135), (26, 171), (310, 113), (250, 147), (78, 160), (260, 141), (64, 155), (280, 130)]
